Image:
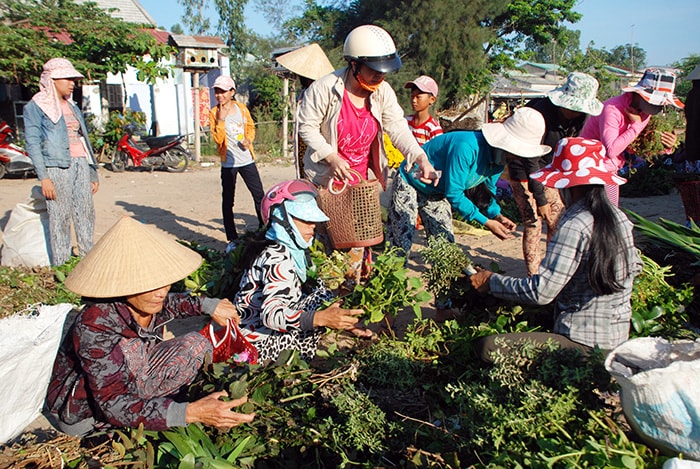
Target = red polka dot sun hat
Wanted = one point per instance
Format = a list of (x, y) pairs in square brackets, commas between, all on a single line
[(577, 161)]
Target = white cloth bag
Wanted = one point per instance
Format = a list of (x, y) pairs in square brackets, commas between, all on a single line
[(25, 237), (28, 347), (660, 383)]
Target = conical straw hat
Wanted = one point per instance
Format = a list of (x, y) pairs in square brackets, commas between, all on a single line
[(131, 258), (308, 61)]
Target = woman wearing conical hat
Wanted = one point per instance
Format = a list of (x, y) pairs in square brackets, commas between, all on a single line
[(114, 368)]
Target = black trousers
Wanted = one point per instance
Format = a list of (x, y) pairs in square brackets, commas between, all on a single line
[(251, 178)]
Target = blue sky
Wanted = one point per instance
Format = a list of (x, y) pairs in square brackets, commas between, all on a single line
[(666, 30)]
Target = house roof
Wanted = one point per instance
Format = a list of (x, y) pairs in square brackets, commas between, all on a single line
[(128, 10), (199, 42)]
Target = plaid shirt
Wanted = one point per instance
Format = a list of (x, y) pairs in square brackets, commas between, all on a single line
[(581, 315)]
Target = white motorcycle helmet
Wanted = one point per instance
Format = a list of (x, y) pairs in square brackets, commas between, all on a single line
[(372, 46)]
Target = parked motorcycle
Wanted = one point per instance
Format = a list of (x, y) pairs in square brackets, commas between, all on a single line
[(13, 158), (161, 152)]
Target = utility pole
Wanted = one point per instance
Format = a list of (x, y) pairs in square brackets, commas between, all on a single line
[(632, 48)]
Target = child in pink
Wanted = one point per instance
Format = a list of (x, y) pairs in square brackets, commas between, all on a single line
[(625, 116)]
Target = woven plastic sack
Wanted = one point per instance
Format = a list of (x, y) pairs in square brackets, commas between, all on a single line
[(229, 342), (660, 396), (25, 237), (28, 346), (355, 212)]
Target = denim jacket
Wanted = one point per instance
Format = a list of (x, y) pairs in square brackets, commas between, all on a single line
[(47, 143)]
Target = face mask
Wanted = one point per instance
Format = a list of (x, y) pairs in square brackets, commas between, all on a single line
[(365, 85)]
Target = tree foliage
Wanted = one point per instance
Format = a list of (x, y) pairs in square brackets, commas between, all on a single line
[(460, 44), (194, 17), (685, 66), (30, 32), (629, 56)]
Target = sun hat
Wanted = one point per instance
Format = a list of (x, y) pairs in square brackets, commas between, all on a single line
[(656, 87), (224, 82), (308, 61), (425, 84), (305, 208), (129, 259), (520, 134), (694, 75), (59, 68), (577, 161), (578, 94)]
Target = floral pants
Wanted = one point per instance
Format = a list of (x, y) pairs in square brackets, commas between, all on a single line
[(532, 225), (406, 203)]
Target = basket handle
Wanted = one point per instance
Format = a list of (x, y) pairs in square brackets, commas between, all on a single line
[(335, 182)]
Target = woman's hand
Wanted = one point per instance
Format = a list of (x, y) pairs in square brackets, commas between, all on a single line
[(502, 228), (545, 211), (427, 172), (94, 186), (480, 280), (339, 168), (225, 311), (245, 143), (47, 189), (339, 318), (668, 139), (210, 410)]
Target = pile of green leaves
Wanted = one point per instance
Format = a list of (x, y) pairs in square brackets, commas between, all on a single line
[(648, 144), (21, 287), (658, 309), (669, 234), (388, 290), (446, 275)]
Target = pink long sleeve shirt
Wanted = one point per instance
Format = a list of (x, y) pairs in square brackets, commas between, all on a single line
[(614, 130)]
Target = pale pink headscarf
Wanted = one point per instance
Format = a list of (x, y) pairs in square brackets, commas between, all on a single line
[(47, 98)]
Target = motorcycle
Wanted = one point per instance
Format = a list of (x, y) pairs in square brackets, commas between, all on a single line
[(161, 152), (13, 158)]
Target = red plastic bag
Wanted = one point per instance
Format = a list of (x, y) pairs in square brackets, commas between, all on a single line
[(229, 342)]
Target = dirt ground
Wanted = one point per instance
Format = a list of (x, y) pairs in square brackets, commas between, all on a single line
[(187, 205)]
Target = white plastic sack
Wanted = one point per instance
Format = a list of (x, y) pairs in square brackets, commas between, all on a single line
[(25, 237), (28, 346), (660, 395)]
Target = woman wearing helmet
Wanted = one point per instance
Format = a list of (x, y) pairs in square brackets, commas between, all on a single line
[(275, 314), (345, 114)]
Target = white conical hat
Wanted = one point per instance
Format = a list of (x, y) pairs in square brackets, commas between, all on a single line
[(308, 61), (131, 258)]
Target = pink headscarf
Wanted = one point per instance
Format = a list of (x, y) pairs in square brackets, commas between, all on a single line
[(47, 98)]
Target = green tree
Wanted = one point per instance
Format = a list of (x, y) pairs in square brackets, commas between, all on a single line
[(629, 56), (460, 44), (685, 66), (194, 17), (232, 27), (98, 43)]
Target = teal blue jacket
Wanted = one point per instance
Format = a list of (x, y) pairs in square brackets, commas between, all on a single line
[(464, 158)]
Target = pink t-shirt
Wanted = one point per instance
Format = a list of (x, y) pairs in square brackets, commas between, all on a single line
[(77, 148), (357, 129), (613, 129)]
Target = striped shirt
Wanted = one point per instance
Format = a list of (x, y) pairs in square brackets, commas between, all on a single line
[(425, 131)]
